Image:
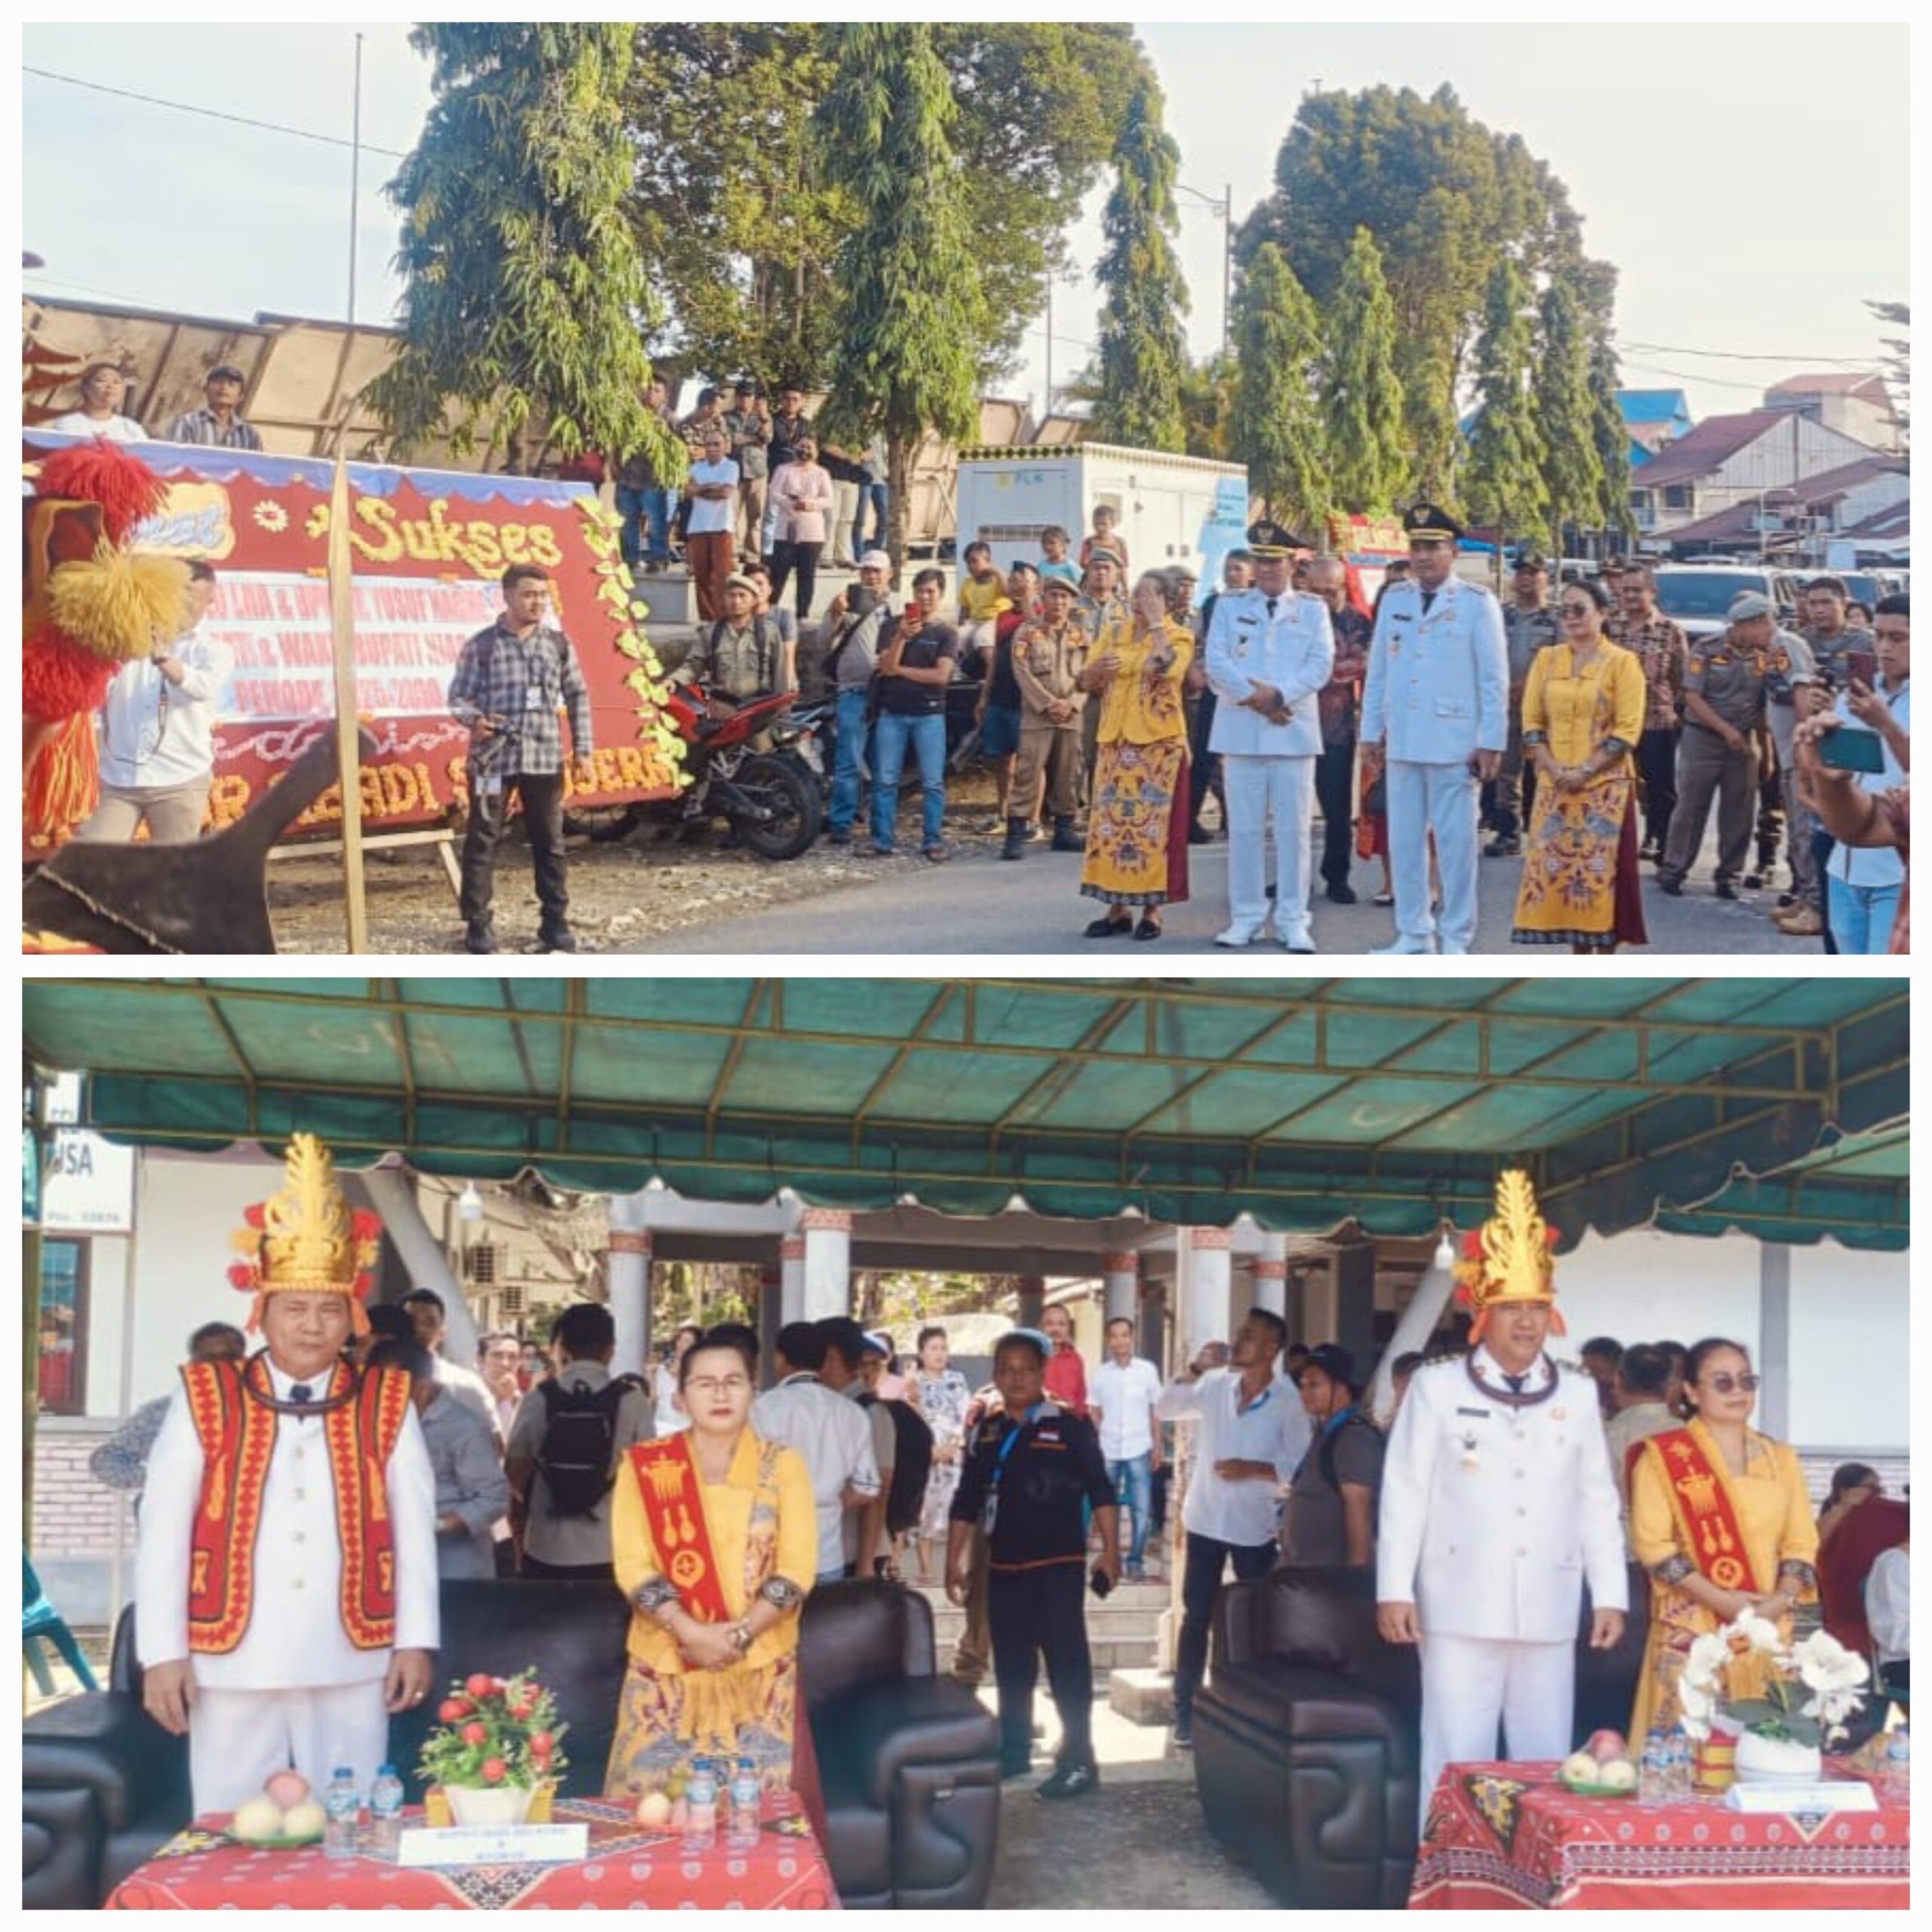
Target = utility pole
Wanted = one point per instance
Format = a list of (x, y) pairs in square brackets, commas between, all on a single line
[(354, 174), (1049, 343), (1227, 268)]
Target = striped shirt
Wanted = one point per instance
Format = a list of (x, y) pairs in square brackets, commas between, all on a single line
[(204, 426), (520, 685)]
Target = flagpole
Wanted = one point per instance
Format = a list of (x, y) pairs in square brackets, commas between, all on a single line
[(349, 756)]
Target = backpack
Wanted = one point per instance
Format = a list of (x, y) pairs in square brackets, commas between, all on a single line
[(911, 1464), (766, 636), (579, 1443), (1325, 1451)]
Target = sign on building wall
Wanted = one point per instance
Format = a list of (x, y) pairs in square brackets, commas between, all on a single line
[(90, 1186)]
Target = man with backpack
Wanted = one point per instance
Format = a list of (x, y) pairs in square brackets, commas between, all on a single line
[(911, 1447), (564, 1450), (1333, 1496), (741, 655)]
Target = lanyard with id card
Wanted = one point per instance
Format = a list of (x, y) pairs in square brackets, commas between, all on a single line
[(990, 1515)]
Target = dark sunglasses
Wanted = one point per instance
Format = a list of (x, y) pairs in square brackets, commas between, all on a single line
[(1729, 1385), (1576, 610)]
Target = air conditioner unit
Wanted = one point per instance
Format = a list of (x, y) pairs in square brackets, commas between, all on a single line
[(510, 1303), (481, 1265)]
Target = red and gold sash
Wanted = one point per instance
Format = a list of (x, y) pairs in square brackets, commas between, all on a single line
[(667, 1478), (237, 1434), (1700, 1501)]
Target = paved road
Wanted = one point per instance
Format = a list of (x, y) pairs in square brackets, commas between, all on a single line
[(979, 905)]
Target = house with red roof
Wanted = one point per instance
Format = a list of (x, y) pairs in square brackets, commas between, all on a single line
[(1727, 460), (1857, 405)]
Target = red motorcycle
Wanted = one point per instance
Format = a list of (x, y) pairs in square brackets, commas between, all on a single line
[(766, 795)]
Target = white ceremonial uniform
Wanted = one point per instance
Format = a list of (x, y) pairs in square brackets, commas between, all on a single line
[(1492, 1520), (1268, 770), (294, 1690), (1437, 693)]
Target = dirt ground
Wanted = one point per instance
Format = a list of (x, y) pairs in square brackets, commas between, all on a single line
[(621, 892)]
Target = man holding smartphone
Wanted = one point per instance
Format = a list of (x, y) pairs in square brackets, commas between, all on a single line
[(1864, 882)]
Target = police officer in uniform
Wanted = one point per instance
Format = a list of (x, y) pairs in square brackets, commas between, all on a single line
[(1529, 625), (1498, 1505), (1437, 700), (1725, 691), (1031, 1472), (1270, 649)]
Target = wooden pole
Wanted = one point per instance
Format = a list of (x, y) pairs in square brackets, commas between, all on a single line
[(342, 611)]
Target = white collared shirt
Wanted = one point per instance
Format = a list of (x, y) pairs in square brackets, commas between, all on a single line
[(1875, 867), (1273, 1429), (1125, 1397), (834, 1437), (154, 733)]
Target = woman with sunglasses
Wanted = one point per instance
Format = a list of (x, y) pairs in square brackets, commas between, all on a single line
[(714, 1533), (1720, 1517), (1583, 716)]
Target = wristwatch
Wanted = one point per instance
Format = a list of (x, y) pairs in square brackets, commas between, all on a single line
[(741, 1636)]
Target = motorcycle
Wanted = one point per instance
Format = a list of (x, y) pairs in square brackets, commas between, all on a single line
[(770, 797)]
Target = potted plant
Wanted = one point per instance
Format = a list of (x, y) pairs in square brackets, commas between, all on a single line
[(1793, 1699), (498, 1745)]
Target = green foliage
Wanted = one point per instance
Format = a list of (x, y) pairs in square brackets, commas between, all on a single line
[(1445, 199), (505, 1736), (1504, 484), (1361, 394), (906, 356), (1143, 351), (1278, 422), (1897, 364), (1572, 469), (1597, 298), (1209, 402), (524, 290), (742, 229)]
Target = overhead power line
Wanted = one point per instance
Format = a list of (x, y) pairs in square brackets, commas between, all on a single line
[(212, 113), (1743, 355)]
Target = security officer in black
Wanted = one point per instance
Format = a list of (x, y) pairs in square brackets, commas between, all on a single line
[(1031, 1472)]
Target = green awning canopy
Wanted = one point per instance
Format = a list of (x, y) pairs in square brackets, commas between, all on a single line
[(1697, 1104)]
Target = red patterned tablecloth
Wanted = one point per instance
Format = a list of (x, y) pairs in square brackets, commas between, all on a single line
[(1509, 1835), (201, 1870)]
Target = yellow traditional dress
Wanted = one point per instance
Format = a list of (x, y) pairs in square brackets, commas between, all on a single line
[(1578, 888), (1137, 827), (759, 1524), (1751, 1532)]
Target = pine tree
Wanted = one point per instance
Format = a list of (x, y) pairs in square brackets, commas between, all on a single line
[(1144, 352), (912, 320), (1277, 423), (1361, 394), (1597, 301), (525, 294), (1572, 469), (1503, 484)]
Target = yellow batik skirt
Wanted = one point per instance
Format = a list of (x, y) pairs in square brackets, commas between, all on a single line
[(1136, 825), (665, 1718), (1580, 886)]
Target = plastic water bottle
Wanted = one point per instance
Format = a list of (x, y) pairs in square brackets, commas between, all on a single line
[(745, 1794), (701, 1808), (342, 1805), (386, 1813), (1898, 1755), (1654, 1769), (1681, 1782)]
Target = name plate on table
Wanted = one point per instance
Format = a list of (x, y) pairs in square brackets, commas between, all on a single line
[(498, 1844), (1802, 1800)]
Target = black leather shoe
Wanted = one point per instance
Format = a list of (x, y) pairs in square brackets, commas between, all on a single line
[(1726, 890), (1147, 929), (1107, 928), (1674, 887), (1504, 846), (1754, 881), (565, 941), (1070, 1781), (480, 939), (1342, 895)]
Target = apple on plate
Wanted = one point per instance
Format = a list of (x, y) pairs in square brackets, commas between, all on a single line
[(1603, 1745), (288, 1788), (1579, 1771), (1619, 1775), (654, 1810)]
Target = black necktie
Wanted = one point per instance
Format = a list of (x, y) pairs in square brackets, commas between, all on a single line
[(1428, 598), (1272, 603), (1515, 1382), (301, 1392)]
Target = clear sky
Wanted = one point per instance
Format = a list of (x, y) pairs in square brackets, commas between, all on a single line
[(1750, 180)]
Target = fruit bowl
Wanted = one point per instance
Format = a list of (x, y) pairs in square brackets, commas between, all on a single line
[(274, 1844), (1592, 1790)]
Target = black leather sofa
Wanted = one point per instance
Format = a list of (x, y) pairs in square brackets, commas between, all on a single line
[(1307, 1732), (909, 1761)]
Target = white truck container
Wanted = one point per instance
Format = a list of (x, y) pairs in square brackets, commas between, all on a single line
[(1173, 509)]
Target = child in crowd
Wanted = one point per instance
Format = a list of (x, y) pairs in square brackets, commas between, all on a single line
[(1106, 537), (1054, 561), (982, 600)]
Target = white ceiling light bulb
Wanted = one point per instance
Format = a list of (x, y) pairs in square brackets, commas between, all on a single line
[(469, 1203)]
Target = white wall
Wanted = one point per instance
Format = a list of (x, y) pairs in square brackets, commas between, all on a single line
[(1851, 1348), (1647, 1287)]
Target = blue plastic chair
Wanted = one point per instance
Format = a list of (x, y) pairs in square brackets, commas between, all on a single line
[(40, 1622)]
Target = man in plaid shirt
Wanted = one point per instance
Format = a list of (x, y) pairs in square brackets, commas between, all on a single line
[(510, 682)]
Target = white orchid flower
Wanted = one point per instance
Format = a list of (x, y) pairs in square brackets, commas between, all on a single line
[(1825, 1664), (1697, 1706), (1708, 1656), (1748, 1630)]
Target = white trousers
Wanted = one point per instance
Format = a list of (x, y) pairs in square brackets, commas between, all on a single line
[(238, 1739), (1470, 1685), (1262, 791), (1443, 799)]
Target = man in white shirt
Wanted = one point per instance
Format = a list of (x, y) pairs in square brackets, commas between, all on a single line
[(1126, 1388), (1497, 1505), (1888, 1613), (157, 733), (834, 1436), (1251, 1432), (430, 1320), (285, 1604), (500, 1355)]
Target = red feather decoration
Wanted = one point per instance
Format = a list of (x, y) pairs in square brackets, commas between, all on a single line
[(59, 678), (102, 473)]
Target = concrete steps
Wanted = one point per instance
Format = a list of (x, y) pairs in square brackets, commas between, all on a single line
[(1121, 1633)]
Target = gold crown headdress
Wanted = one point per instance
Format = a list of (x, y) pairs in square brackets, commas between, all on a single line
[(307, 1238), (1508, 1258)]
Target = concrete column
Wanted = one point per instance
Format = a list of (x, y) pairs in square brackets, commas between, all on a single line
[(1032, 1299), (1120, 1275), (1355, 1301), (1774, 1338), (1294, 1306), (828, 1268), (791, 1280), (1320, 1317), (392, 1194), (628, 1273), (1209, 1287), (770, 1315), (1271, 1276), (1152, 1324)]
